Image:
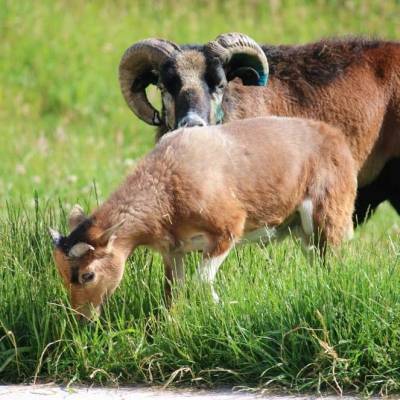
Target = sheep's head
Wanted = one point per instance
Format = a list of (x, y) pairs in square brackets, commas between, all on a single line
[(88, 261), (192, 79)]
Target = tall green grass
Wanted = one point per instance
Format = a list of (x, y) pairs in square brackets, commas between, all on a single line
[(281, 322), (66, 136)]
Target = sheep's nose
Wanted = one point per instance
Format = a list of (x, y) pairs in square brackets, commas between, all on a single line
[(190, 120), (87, 277)]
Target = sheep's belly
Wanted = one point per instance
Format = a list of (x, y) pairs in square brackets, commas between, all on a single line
[(263, 234), (267, 234), (194, 243)]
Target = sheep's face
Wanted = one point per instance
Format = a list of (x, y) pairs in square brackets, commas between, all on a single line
[(90, 266), (192, 79), (89, 278), (192, 88)]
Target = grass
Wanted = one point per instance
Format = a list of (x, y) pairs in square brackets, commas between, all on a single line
[(67, 136)]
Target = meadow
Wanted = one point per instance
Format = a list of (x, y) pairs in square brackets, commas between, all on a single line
[(66, 137)]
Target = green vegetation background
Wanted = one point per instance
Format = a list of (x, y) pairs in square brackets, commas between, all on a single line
[(64, 126)]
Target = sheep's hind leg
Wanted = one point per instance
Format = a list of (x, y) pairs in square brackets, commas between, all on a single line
[(174, 271), (333, 220), (306, 230)]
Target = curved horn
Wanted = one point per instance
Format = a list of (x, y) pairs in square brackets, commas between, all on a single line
[(80, 249), (238, 51), (137, 69)]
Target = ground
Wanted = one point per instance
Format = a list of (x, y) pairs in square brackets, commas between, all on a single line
[(51, 391)]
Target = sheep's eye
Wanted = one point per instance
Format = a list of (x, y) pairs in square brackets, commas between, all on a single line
[(87, 277)]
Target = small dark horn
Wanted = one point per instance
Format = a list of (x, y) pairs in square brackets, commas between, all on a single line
[(80, 249)]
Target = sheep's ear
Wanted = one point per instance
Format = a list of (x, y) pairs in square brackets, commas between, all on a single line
[(108, 236), (80, 249), (110, 243), (76, 216), (55, 237)]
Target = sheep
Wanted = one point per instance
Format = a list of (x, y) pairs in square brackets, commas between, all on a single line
[(208, 189), (353, 84)]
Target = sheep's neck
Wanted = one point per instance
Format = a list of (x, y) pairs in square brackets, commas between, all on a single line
[(139, 206)]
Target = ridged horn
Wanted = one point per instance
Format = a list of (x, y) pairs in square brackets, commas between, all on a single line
[(80, 249), (137, 70), (237, 51)]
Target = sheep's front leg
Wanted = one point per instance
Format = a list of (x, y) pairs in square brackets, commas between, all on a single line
[(174, 271), (210, 264)]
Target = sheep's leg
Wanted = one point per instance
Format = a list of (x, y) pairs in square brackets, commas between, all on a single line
[(227, 230), (306, 216), (336, 227), (174, 271), (308, 246), (211, 262), (306, 231), (385, 187), (333, 220)]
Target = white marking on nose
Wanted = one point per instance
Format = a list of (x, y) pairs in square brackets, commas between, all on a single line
[(191, 119)]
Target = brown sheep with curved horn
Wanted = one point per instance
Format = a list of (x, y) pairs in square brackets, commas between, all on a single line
[(353, 84)]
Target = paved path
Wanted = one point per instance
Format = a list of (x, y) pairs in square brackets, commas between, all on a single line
[(53, 392)]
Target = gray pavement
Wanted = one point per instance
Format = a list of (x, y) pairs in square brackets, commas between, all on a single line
[(52, 391)]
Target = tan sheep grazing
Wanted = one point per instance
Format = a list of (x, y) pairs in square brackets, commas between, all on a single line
[(210, 189)]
